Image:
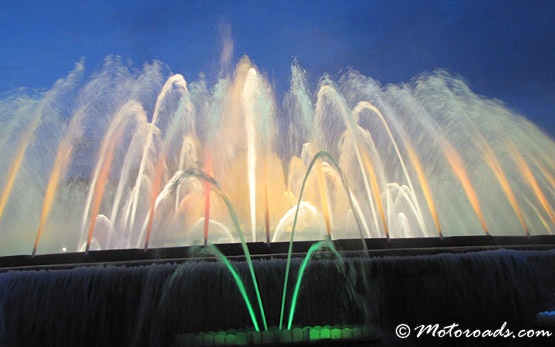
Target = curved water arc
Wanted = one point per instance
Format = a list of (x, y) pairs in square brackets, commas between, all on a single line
[(290, 251)]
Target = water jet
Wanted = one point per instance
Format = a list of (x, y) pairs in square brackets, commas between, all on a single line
[(357, 201)]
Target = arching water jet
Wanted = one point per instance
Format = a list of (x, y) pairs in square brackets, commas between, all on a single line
[(356, 114), (364, 164), (128, 114), (179, 82), (63, 157), (456, 162), (16, 164), (384, 138), (529, 176)]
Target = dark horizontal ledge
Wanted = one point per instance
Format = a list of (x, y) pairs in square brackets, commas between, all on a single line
[(375, 247)]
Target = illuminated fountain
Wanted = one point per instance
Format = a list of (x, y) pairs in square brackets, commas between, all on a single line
[(99, 164), (139, 160)]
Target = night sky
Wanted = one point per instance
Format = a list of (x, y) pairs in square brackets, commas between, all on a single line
[(504, 49)]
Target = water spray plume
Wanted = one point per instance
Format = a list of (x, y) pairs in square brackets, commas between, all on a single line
[(129, 113), (401, 148), (173, 80), (157, 183), (529, 176), (128, 162), (247, 99), (63, 157), (502, 178), (365, 165), (375, 190), (550, 177), (457, 164), (208, 169), (216, 188), (59, 166), (425, 186), (324, 198), (322, 155), (266, 204), (99, 192), (315, 247), (240, 285), (16, 165)]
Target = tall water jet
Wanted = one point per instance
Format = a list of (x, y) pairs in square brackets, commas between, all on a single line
[(400, 147), (258, 117), (456, 162), (450, 153), (468, 114), (503, 181), (179, 82), (209, 171), (309, 254), (247, 97), (550, 177), (63, 157), (530, 178), (183, 114), (324, 198), (425, 186), (136, 146), (16, 164), (129, 114), (356, 114), (351, 137), (318, 156), (327, 170)]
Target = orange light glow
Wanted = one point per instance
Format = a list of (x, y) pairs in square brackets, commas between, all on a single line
[(425, 186), (529, 176), (456, 162)]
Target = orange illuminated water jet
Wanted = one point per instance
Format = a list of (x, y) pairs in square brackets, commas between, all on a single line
[(156, 185), (375, 191), (493, 163), (428, 196), (324, 197), (250, 145), (266, 209), (16, 165), (209, 171), (456, 162), (425, 186), (529, 176), (546, 174), (60, 164), (99, 191)]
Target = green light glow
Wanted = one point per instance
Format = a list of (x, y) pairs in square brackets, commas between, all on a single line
[(302, 269), (216, 188), (333, 164), (275, 337), (314, 335), (238, 281)]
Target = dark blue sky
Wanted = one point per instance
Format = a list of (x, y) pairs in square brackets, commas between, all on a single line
[(505, 49)]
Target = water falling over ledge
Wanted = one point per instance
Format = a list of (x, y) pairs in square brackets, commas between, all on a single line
[(140, 305)]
